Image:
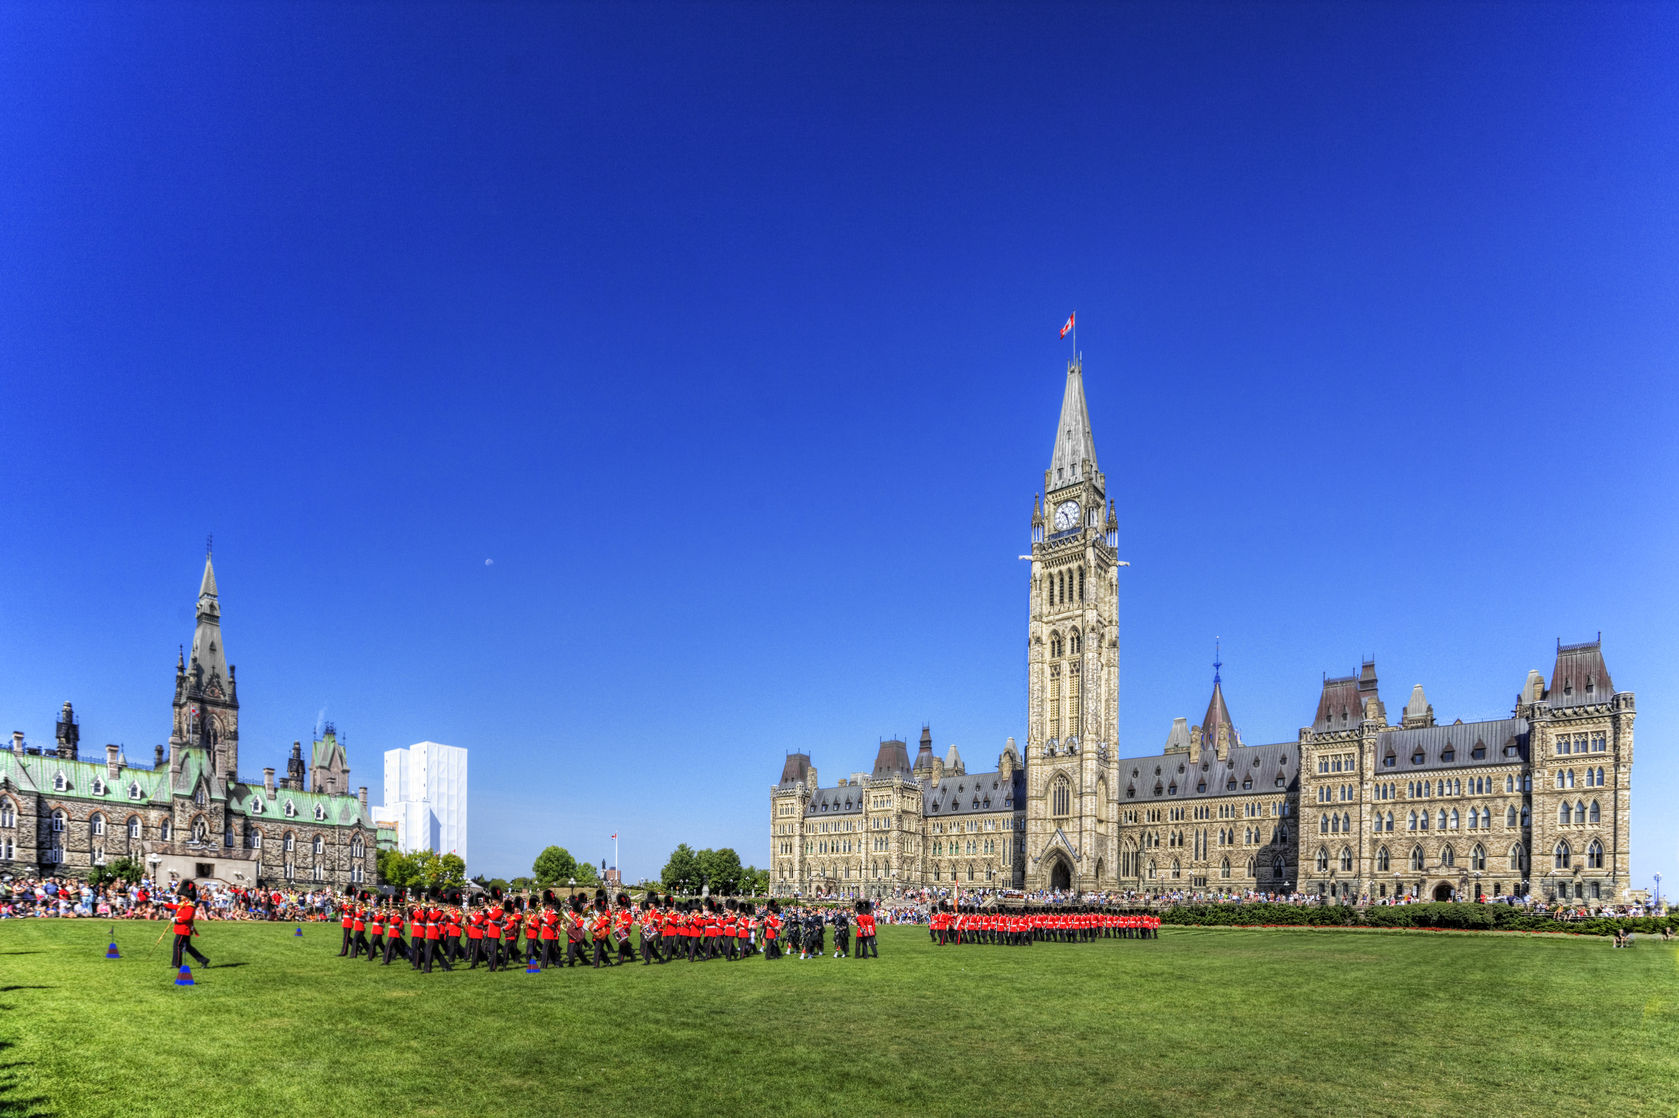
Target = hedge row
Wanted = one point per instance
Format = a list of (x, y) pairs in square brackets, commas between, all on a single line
[(1489, 917)]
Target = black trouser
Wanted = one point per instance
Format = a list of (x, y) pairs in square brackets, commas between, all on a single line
[(772, 949), (866, 947), (376, 947), (548, 953), (626, 953), (669, 945), (184, 943), (842, 943), (394, 947), (359, 944), (574, 953), (492, 952), (345, 950), (600, 953), (474, 951), (649, 949)]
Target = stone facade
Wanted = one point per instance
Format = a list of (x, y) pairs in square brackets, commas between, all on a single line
[(1355, 807), (189, 813)]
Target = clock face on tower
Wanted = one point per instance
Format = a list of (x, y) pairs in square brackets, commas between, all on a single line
[(1066, 515)]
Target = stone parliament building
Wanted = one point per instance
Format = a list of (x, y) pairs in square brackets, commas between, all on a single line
[(1356, 807), (189, 814)]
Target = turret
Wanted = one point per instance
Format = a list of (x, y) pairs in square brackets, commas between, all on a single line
[(69, 734)]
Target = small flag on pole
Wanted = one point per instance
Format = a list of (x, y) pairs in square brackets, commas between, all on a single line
[(614, 834), (1068, 325)]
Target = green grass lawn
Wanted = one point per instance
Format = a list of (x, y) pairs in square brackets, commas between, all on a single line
[(1199, 1022)]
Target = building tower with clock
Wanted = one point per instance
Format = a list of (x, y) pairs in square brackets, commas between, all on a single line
[(1072, 661)]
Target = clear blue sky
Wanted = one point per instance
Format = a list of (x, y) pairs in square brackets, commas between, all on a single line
[(728, 332)]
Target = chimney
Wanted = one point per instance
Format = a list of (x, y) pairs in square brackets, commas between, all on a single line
[(17, 741), (268, 781), (157, 758), (361, 794), (113, 762)]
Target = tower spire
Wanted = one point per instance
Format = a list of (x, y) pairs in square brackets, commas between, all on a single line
[(1074, 455), (1218, 660)]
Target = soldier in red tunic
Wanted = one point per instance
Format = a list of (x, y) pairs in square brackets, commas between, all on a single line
[(185, 908), (576, 933), (772, 930)]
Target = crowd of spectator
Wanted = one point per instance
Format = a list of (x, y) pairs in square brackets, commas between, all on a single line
[(67, 898)]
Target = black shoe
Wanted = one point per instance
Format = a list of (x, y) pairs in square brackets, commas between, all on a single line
[(205, 965)]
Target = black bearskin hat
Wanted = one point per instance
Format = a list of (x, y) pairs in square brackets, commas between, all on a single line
[(547, 896), (600, 896), (623, 900), (577, 902), (772, 906), (495, 891)]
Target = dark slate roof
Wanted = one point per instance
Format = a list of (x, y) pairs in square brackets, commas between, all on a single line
[(892, 760), (1580, 676), (1435, 743), (971, 793), (1254, 769), (796, 768), (1340, 707), (844, 800)]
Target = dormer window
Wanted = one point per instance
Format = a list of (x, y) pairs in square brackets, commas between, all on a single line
[(1448, 754), (291, 810), (1417, 757), (59, 784), (98, 786), (134, 792), (320, 812), (1201, 787), (1479, 752), (256, 805)]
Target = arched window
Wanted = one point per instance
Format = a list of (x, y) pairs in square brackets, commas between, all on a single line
[(1277, 867), (1177, 869), (288, 842), (1323, 859), (1346, 859), (1454, 819), (1077, 641), (1346, 822), (1580, 811), (319, 844), (1416, 857), (1565, 814), (1448, 856), (1478, 858), (59, 784), (165, 830), (1594, 855), (1441, 825), (59, 819), (1563, 857), (1061, 794), (8, 814), (1517, 860), (1323, 824), (1382, 860), (1594, 814), (1224, 868), (1411, 823), (98, 786), (134, 792), (96, 825)]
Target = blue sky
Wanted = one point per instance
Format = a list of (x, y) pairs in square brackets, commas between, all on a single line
[(728, 333)]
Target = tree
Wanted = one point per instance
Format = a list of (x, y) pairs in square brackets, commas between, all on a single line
[(719, 869), (122, 869), (682, 871), (755, 881), (554, 866), (586, 874)]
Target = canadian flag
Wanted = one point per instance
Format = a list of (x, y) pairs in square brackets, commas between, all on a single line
[(1068, 325), (614, 834)]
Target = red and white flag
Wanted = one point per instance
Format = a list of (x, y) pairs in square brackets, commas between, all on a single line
[(1068, 325), (614, 834)]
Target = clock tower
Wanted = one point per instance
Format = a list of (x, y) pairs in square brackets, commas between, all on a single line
[(1072, 664)]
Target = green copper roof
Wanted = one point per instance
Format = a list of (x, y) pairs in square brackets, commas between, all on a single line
[(255, 803), (83, 780)]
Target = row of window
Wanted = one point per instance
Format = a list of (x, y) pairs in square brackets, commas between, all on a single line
[(1562, 857), (1593, 778), (97, 825), (1579, 743)]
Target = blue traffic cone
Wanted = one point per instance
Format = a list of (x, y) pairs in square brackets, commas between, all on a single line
[(185, 977), (532, 968), (299, 930), (111, 952)]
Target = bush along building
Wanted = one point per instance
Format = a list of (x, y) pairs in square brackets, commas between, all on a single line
[(189, 814), (1354, 807)]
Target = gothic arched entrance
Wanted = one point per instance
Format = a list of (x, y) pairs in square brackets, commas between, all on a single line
[(1443, 891), (1061, 876)]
